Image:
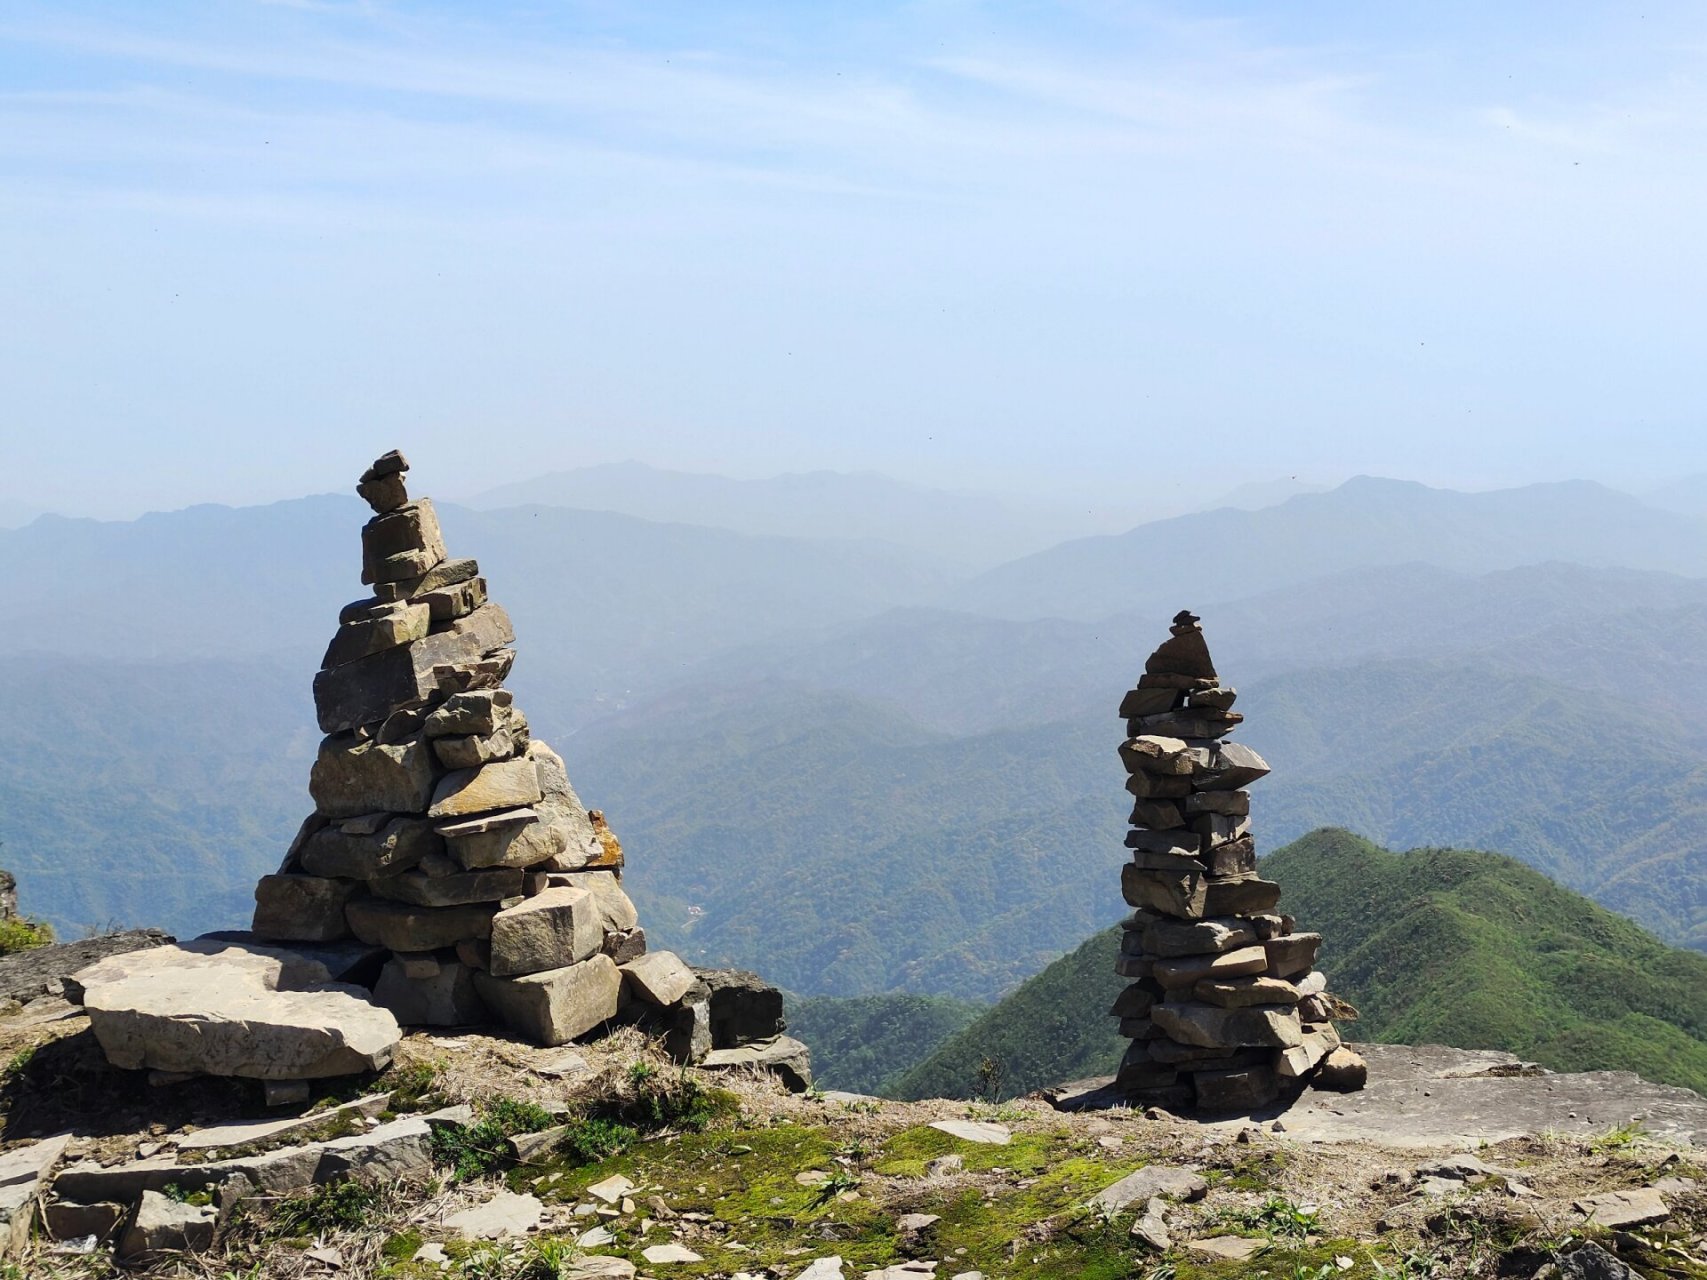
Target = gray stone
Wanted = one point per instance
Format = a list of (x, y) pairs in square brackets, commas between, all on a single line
[(1591, 1262), (400, 926), (299, 908), (240, 1133), (1620, 1210), (1154, 1180), (1178, 843), (1134, 1001), (1180, 938), (473, 751), (1188, 1022), (1234, 767), (1237, 858), (576, 843), (454, 601), (1148, 702), (385, 625), (458, 888), (981, 1131), (687, 1026), (1237, 993), (384, 493), (1240, 1089), (161, 1224), (399, 845), (1151, 1229), (471, 714), (444, 574), (505, 1214), (1150, 753), (1187, 971), (401, 544), (547, 931), (658, 978), (616, 911), (783, 1056), (1296, 1063), (444, 998), (555, 1006), (224, 1009), (49, 970), (507, 838), (1230, 802), (1342, 1071), (67, 1220), (1230, 1248), (351, 777), (24, 1174), (743, 1006), (1293, 954), (506, 784), (1156, 786)]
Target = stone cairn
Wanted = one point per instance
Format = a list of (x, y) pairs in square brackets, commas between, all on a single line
[(1226, 1010), (448, 838)]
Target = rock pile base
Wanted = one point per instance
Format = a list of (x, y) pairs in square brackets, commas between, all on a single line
[(1226, 1009)]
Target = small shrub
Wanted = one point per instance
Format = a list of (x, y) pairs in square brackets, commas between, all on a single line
[(402, 1246), (335, 1206), (20, 934), (411, 1086), (595, 1138), (172, 1191), (545, 1258), (478, 1149)]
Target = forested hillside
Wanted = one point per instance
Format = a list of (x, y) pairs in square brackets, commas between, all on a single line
[(1445, 946)]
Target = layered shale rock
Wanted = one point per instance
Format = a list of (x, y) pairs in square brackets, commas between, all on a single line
[(1226, 1009)]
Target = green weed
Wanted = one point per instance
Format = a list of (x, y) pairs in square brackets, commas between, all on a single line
[(336, 1206)]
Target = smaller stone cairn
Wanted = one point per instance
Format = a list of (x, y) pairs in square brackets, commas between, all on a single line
[(1226, 1010)]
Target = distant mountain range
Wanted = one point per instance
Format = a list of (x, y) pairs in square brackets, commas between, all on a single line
[(1435, 946), (1229, 554), (962, 529), (825, 770)]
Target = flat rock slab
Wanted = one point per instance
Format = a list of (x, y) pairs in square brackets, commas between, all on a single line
[(218, 1136), (1437, 1096), (975, 1131), (1621, 1209), (23, 1173), (658, 1254), (24, 975), (1151, 1181), (1234, 1248), (218, 1008), (505, 1214)]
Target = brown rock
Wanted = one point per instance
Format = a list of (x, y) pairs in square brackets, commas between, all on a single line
[(351, 777), (491, 884), (547, 931), (1180, 938), (299, 908), (1342, 1071), (555, 1006), (1262, 1026), (1293, 953), (1237, 993), (353, 855), (1187, 971), (505, 784), (398, 926), (1239, 1090)]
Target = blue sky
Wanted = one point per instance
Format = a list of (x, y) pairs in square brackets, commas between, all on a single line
[(1123, 252)]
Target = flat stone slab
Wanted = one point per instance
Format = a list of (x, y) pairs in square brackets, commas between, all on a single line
[(1437, 1096), (975, 1131), (1620, 1209), (1152, 1180), (212, 1007), (218, 1136), (505, 1214)]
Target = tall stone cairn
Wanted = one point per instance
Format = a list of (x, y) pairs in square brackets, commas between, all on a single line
[(1226, 1010), (445, 836)]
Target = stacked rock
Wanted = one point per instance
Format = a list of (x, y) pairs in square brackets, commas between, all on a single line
[(443, 832), (1227, 1009)]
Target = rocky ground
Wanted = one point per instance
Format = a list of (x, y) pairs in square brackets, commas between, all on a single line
[(481, 1157)]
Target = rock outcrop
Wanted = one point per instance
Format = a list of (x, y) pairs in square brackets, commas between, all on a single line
[(1226, 1010)]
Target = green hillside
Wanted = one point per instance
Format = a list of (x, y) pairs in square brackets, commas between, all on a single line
[(1448, 946), (859, 1043)]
